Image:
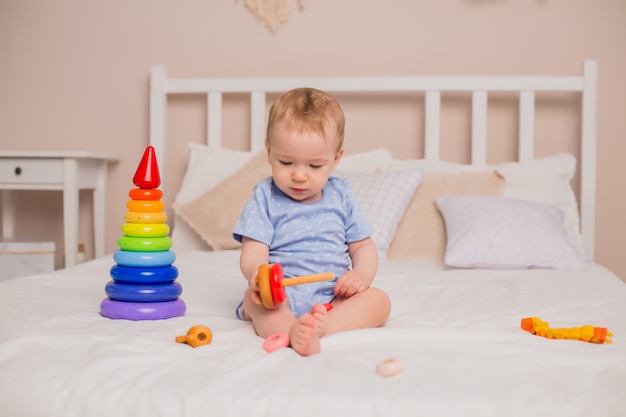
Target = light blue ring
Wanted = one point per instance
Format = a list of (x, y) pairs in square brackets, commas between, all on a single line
[(132, 258)]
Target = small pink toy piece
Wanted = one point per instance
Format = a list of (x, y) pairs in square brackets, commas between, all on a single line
[(275, 342), (389, 367)]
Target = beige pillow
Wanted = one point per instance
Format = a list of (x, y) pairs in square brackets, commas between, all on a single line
[(421, 234), (213, 215)]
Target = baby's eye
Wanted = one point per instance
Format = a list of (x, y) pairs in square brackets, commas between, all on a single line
[(285, 163), (316, 166)]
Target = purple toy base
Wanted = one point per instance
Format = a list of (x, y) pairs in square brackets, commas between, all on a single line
[(142, 311)]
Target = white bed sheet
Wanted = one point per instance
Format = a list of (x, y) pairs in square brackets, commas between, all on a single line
[(456, 331)]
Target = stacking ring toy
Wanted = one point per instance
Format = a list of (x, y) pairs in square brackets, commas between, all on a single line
[(145, 205), (145, 229), (275, 342), (144, 244), (148, 275), (142, 217), (135, 293), (145, 194), (271, 282), (197, 335), (130, 258), (389, 367), (142, 311)]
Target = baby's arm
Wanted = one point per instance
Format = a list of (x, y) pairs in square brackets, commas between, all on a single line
[(253, 255), (364, 257)]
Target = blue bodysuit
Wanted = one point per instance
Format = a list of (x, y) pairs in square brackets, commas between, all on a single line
[(305, 238)]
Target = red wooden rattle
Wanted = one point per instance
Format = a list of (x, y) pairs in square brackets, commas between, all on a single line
[(271, 282)]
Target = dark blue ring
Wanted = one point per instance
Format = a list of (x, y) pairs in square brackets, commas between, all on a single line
[(143, 293), (137, 275)]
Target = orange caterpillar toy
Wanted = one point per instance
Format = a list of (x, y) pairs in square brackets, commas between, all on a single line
[(585, 333)]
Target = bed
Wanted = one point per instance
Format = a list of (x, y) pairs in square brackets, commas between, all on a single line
[(468, 252)]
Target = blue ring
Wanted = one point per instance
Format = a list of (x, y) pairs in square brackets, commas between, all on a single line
[(132, 258), (142, 311), (143, 293), (136, 275)]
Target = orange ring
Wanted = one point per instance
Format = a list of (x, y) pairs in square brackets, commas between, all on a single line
[(138, 217), (145, 194), (145, 205), (263, 281)]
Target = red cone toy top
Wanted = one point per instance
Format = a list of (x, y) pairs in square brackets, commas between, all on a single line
[(147, 174)]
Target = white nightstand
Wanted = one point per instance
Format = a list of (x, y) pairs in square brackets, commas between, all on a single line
[(67, 171)]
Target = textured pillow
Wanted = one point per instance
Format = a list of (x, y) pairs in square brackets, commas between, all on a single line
[(504, 233), (383, 197), (421, 234), (542, 180), (214, 214)]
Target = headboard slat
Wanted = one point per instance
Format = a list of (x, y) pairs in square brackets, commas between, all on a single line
[(432, 123), (526, 142), (479, 128), (214, 120), (257, 121)]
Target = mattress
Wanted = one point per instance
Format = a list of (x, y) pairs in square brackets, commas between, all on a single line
[(456, 331)]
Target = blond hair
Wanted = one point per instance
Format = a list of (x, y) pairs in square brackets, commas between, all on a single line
[(308, 109)]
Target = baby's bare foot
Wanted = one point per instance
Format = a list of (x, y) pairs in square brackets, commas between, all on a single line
[(304, 337), (320, 314)]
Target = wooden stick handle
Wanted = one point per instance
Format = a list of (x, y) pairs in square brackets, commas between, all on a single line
[(325, 276)]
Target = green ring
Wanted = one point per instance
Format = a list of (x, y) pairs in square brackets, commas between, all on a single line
[(145, 244)]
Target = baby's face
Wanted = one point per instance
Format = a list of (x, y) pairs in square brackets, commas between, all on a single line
[(301, 162)]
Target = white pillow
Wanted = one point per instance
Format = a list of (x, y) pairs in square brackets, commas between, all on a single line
[(542, 180), (208, 167), (504, 233), (383, 198)]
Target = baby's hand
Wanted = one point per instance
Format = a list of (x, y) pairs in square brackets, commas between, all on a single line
[(255, 294), (351, 283)]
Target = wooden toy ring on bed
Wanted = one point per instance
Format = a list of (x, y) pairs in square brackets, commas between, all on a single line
[(145, 194), (149, 259), (143, 217), (197, 335), (145, 205), (147, 293), (142, 311), (271, 282), (145, 275), (276, 341), (389, 367), (144, 244), (145, 229)]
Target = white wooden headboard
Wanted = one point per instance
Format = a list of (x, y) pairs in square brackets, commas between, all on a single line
[(429, 87)]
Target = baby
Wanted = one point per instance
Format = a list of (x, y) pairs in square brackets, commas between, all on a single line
[(309, 222)]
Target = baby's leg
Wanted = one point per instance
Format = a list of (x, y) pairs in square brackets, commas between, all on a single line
[(268, 321), (366, 309), (305, 334)]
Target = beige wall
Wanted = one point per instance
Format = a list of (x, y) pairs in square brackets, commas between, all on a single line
[(74, 75)]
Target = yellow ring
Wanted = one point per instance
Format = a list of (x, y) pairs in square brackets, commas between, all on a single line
[(139, 217), (144, 244), (145, 205), (145, 229)]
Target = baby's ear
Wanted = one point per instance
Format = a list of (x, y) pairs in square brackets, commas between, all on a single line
[(338, 156)]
